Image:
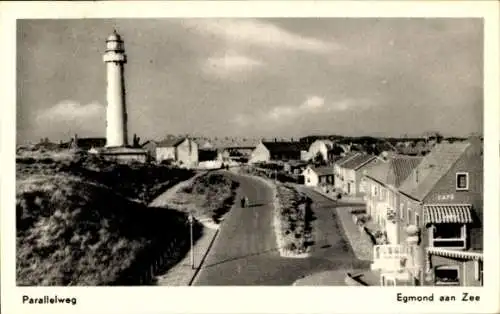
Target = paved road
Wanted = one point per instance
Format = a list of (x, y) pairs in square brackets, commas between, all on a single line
[(244, 252)]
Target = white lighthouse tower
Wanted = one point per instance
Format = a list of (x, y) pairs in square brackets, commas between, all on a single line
[(116, 112)]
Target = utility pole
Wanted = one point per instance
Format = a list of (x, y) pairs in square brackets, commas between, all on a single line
[(190, 218)]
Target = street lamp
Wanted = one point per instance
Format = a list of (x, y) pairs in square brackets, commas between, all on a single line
[(191, 219)]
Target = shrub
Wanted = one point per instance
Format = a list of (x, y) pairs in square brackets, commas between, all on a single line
[(295, 218)]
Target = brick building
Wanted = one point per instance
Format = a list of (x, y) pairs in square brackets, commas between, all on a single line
[(443, 200)]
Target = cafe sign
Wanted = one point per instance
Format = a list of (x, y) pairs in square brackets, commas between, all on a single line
[(446, 197)]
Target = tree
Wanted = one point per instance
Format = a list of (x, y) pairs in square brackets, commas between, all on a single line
[(337, 150), (319, 159), (136, 141)]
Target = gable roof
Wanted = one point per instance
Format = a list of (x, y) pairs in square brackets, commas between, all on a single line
[(149, 143), (322, 171), (171, 142), (285, 147), (346, 158), (394, 170), (237, 143), (358, 161), (432, 168)]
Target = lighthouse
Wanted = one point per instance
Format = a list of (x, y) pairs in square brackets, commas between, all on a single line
[(116, 111)]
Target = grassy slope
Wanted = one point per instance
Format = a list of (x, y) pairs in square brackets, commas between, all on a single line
[(295, 218), (75, 227), (211, 195)]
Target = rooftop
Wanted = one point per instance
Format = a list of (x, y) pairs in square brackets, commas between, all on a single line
[(346, 158), (432, 168), (394, 170), (278, 147), (322, 171), (171, 141), (358, 161)]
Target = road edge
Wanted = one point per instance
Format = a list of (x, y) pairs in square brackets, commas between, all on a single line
[(200, 265)]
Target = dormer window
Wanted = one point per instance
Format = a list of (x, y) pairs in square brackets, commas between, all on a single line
[(462, 181)]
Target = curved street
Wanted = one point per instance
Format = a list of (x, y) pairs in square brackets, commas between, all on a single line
[(245, 253)]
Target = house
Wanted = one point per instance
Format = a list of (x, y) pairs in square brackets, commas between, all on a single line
[(441, 202), (122, 154), (234, 149), (320, 148), (150, 147), (381, 183), (284, 151), (351, 171), (338, 171), (87, 143), (294, 166), (182, 151), (318, 177)]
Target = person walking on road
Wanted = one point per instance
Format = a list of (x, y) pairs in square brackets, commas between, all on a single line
[(244, 201)]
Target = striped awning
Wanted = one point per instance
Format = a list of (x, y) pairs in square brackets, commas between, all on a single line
[(447, 214), (476, 256), (463, 255)]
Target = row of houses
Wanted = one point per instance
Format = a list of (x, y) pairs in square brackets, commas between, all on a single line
[(435, 204)]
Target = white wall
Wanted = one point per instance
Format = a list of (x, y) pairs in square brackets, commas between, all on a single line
[(310, 177), (260, 154), (316, 147), (165, 153)]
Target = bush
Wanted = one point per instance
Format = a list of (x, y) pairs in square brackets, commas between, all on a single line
[(76, 222), (295, 217), (218, 192), (82, 233)]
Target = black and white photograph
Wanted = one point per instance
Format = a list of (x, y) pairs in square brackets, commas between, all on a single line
[(250, 151)]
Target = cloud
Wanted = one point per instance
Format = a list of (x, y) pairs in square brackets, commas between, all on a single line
[(230, 64), (313, 103), (71, 116), (311, 107), (253, 32)]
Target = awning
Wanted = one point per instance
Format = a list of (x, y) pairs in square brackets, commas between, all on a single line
[(447, 214), (455, 253)]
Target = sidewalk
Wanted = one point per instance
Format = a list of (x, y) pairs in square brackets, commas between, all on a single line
[(182, 274), (359, 241), (165, 198)]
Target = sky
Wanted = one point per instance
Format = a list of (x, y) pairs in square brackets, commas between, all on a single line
[(281, 77)]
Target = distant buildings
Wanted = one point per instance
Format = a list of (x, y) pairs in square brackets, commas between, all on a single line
[(319, 177), (349, 172), (283, 151), (381, 184), (182, 151), (87, 143)]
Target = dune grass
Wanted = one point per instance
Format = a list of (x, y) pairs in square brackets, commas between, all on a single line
[(295, 219), (83, 221), (210, 195)]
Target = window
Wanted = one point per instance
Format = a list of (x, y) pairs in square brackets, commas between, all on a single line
[(448, 236), (447, 275), (401, 211), (462, 183), (417, 220), (409, 215)]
